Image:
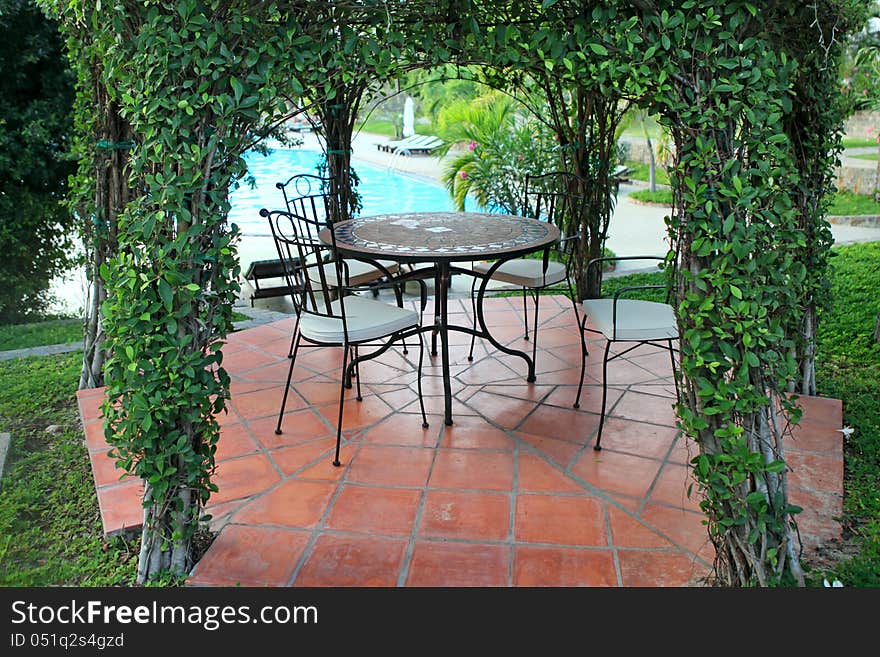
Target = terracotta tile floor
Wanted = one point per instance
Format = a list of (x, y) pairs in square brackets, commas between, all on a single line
[(511, 495)]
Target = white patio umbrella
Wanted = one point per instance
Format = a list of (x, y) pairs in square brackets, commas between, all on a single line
[(409, 118)]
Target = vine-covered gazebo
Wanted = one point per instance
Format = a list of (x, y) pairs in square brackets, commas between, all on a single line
[(748, 93)]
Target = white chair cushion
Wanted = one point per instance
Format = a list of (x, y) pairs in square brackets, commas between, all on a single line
[(359, 272), (366, 320), (525, 272), (636, 319)]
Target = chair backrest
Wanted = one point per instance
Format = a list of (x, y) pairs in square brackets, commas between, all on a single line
[(310, 196), (559, 198), (307, 262)]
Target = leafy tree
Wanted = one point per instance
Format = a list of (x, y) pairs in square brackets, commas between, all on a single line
[(36, 94), (500, 148)]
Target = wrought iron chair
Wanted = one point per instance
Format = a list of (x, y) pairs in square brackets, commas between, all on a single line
[(625, 320), (307, 195), (551, 197), (327, 313), (310, 196)]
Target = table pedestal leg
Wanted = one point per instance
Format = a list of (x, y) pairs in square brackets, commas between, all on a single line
[(441, 320)]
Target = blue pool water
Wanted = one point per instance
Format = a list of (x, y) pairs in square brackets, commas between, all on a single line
[(381, 190)]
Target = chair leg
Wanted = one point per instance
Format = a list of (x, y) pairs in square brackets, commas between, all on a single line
[(474, 315), (419, 381), (535, 331), (293, 338), (525, 315), (674, 373), (357, 373), (598, 445), (336, 461), (584, 353), (294, 349)]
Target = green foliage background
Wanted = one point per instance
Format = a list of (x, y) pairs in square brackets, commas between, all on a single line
[(36, 94)]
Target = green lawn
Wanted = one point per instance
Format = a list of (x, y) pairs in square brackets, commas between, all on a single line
[(858, 143), (54, 331), (848, 368), (641, 171), (50, 528), (866, 156), (849, 203), (844, 203), (661, 196), (377, 126)]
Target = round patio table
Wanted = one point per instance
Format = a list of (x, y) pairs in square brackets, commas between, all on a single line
[(442, 238)]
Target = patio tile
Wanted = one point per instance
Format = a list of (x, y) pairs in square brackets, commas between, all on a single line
[(95, 436), (548, 566), (355, 414), (265, 403), (235, 440), (511, 493), (465, 515), (818, 472), (246, 360), (373, 510), (504, 411), (473, 432), (260, 335), (242, 477), (617, 472), (405, 429), (563, 520), (672, 488), (817, 522), (626, 531), (90, 404), (391, 466), (563, 423), (811, 436), (454, 468), (293, 458), (591, 397), (250, 556), (296, 427), (822, 410), (684, 528), (104, 469), (121, 506), (559, 451), (294, 503), (537, 476), (654, 569), (637, 438), (458, 564), (353, 561), (645, 408)]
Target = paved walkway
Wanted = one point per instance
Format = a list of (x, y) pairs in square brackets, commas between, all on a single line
[(511, 495)]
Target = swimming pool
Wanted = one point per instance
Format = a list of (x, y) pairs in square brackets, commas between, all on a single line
[(381, 190)]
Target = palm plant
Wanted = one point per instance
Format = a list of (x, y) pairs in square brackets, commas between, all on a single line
[(500, 147)]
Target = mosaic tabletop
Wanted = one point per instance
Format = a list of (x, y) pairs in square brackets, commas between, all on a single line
[(419, 236)]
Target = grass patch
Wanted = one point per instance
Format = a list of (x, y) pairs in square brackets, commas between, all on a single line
[(378, 127), (37, 334), (849, 203), (641, 171), (858, 143), (239, 317), (866, 156), (50, 527), (848, 368), (660, 197)]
